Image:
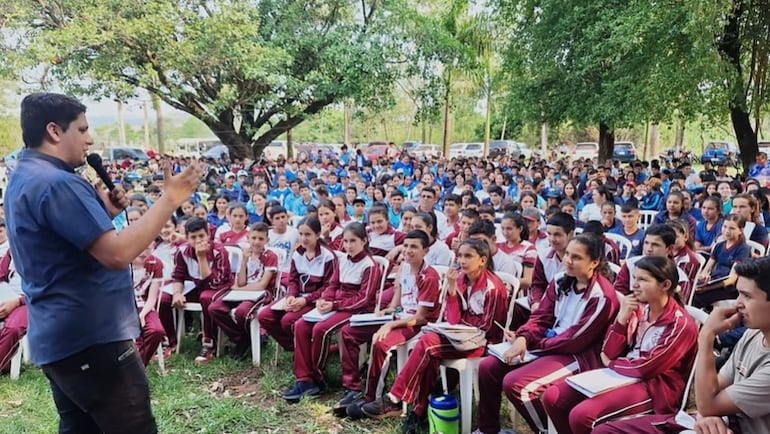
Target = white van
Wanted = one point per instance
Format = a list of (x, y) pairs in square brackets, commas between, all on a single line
[(585, 150), (466, 150)]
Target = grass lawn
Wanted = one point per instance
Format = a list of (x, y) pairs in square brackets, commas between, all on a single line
[(222, 397)]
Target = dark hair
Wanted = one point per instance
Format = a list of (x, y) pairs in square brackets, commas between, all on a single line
[(453, 198), (739, 220), (40, 109), (628, 207), (313, 223), (495, 189), (562, 220), (756, 270), (482, 248), (483, 227), (195, 224), (430, 220), (519, 222), (529, 194), (259, 227), (419, 235), (594, 246), (237, 205), (594, 227), (378, 209), (716, 201), (470, 213), (275, 210), (396, 192), (359, 231), (664, 231), (662, 269)]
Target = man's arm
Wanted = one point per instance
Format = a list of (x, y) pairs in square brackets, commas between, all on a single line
[(116, 250), (710, 395)]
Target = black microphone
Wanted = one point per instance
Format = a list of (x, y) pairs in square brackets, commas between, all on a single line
[(95, 161)]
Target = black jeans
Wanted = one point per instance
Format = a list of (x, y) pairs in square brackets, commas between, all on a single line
[(102, 389)]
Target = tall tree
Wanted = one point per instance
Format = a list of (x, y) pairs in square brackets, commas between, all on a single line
[(249, 70)]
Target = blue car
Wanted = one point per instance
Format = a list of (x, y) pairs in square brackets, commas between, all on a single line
[(624, 152), (720, 153)]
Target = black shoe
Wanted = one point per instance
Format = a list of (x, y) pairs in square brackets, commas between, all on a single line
[(241, 350), (381, 408), (300, 389), (414, 423), (353, 410), (348, 398)]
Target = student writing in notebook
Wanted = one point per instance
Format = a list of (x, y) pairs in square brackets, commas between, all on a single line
[(652, 338)]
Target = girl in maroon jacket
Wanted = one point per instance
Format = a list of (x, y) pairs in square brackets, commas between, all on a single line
[(351, 290), (653, 339), (565, 330), (331, 230), (312, 266), (382, 237), (475, 297)]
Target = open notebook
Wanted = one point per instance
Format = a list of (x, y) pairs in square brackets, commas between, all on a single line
[(498, 350), (598, 381), (238, 295), (365, 319), (316, 316)]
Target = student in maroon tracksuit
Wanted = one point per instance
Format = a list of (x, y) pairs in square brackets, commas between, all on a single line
[(257, 272), (416, 292), (207, 265), (13, 313), (475, 297), (352, 289), (382, 237), (331, 229), (312, 266), (653, 338), (148, 275), (566, 332)]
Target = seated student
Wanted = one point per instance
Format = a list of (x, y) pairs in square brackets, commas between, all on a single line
[(351, 290), (395, 201), (257, 272), (681, 252), (675, 210), (475, 297), (218, 215), (710, 228), (312, 266), (485, 230), (747, 207), (414, 303), (652, 338), (452, 206), (534, 221), (13, 312), (609, 220), (467, 218), (438, 252), (724, 256), (234, 232), (331, 229), (282, 236), (517, 247), (629, 229), (359, 209), (207, 265), (560, 229), (148, 276), (566, 330), (741, 388), (382, 237), (611, 250)]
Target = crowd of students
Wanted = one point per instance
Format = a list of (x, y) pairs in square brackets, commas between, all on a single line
[(448, 230)]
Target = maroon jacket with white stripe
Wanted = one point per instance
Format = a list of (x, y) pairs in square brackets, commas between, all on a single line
[(186, 267), (354, 284), (382, 244), (579, 319), (662, 356), (307, 277)]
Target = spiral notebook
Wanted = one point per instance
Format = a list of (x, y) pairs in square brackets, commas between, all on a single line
[(498, 350), (598, 381)]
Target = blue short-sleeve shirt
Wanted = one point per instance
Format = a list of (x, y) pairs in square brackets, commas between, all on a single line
[(73, 301)]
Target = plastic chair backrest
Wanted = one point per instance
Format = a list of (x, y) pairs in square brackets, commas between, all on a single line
[(622, 242), (514, 287), (700, 317), (645, 218), (235, 254), (757, 249)]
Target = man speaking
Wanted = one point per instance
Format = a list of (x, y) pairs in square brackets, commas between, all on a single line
[(74, 268)]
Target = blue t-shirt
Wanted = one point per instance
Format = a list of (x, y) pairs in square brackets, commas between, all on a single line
[(73, 301), (726, 258), (637, 240), (707, 237)]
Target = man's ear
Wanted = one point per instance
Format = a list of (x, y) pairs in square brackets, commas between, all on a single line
[(53, 132)]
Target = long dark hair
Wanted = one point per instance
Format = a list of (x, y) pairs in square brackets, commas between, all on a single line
[(662, 269), (359, 231), (482, 248), (594, 245), (430, 219), (519, 222)]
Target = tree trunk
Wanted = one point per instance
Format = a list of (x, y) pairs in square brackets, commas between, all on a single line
[(606, 142), (289, 144), (121, 126), (544, 139), (158, 123), (445, 139), (488, 122), (729, 46), (654, 139)]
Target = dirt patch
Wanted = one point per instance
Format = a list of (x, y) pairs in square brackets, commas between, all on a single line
[(240, 384)]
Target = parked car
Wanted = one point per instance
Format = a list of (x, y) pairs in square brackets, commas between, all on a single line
[(508, 147), (466, 150), (624, 152), (375, 150), (719, 152), (120, 153), (409, 145), (764, 146), (216, 152), (585, 150), (427, 151)]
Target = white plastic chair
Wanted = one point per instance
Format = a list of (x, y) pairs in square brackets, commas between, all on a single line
[(17, 357), (622, 242), (645, 219), (614, 267), (700, 317), (757, 249)]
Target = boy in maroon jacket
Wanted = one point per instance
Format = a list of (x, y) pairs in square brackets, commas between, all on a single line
[(207, 265)]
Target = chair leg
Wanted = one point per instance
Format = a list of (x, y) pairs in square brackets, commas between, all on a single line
[(256, 345), (466, 399), (180, 326), (26, 355), (220, 342), (401, 355), (161, 360), (16, 363), (444, 387)]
